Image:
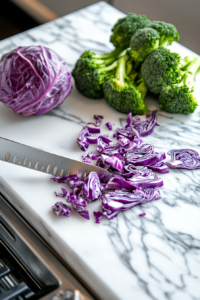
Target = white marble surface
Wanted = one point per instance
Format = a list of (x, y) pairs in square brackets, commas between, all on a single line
[(155, 257)]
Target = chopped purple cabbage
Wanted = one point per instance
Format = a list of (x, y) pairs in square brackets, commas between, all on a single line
[(129, 161), (82, 139), (114, 161), (123, 200), (92, 139), (128, 121), (92, 187), (80, 205), (93, 156), (160, 167), (93, 128), (142, 214), (64, 179), (124, 142), (143, 125), (184, 159), (98, 119), (86, 160), (118, 183), (61, 209), (138, 159), (146, 180), (102, 164), (65, 193), (109, 125)]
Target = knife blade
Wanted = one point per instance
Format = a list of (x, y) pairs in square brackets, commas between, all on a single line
[(38, 160)]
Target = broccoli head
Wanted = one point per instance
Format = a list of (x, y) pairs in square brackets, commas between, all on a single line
[(168, 32), (121, 94), (125, 28), (92, 69), (161, 68), (142, 43), (179, 98)]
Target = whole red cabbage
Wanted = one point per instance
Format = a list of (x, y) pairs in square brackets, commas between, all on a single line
[(33, 80)]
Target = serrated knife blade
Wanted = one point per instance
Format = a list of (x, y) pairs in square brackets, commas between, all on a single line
[(38, 160)]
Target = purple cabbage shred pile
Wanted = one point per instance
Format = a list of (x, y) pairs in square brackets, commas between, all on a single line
[(131, 162)]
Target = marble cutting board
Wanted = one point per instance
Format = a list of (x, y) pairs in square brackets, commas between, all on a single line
[(155, 257)]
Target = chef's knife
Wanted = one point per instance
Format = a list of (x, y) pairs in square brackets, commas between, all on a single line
[(32, 158)]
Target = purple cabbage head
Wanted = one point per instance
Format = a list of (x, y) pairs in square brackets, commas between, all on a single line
[(33, 80)]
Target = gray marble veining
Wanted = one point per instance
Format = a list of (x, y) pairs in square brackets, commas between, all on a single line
[(155, 257)]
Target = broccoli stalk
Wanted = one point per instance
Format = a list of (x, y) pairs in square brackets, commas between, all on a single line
[(129, 67), (103, 59), (91, 71), (121, 94), (179, 98)]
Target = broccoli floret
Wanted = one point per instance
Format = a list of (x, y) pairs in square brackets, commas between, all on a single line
[(142, 43), (147, 39), (125, 28), (92, 69), (121, 94), (161, 68), (168, 32), (179, 98)]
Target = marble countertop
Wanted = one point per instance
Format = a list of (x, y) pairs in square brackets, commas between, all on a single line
[(155, 257)]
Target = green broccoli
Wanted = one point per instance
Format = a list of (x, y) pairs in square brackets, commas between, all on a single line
[(92, 69), (179, 98), (142, 43), (168, 32), (161, 68), (125, 28), (150, 37), (121, 94)]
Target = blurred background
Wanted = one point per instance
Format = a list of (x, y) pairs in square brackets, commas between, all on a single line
[(19, 15)]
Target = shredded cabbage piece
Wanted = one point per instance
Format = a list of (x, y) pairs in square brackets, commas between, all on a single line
[(159, 167), (143, 124), (117, 201), (109, 125), (93, 128), (184, 159), (92, 187), (82, 139), (61, 209), (142, 214), (98, 119)]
